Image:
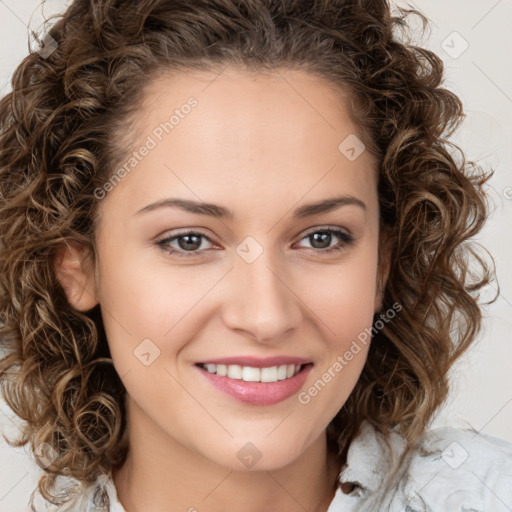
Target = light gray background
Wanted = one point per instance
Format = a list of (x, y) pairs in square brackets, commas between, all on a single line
[(482, 77)]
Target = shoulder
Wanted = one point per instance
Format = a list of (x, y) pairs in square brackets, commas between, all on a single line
[(449, 469), (99, 496)]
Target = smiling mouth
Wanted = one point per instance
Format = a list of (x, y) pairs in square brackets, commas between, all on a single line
[(252, 374)]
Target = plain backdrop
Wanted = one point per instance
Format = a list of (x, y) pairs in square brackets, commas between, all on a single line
[(475, 41)]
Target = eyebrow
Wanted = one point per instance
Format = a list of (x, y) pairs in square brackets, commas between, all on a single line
[(217, 211)]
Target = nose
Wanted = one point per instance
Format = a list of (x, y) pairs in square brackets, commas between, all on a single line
[(263, 304)]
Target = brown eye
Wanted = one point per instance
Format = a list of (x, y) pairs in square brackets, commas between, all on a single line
[(321, 240), (188, 243)]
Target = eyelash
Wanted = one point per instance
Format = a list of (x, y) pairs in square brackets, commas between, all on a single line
[(346, 240)]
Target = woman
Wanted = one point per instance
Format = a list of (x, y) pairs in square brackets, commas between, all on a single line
[(234, 264)]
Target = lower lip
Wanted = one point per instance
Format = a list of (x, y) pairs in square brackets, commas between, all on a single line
[(258, 393)]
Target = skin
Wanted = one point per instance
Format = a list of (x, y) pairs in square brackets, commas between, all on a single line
[(260, 145)]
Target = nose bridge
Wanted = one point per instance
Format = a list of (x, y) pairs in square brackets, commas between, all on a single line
[(262, 303)]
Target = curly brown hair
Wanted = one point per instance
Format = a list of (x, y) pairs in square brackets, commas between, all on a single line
[(64, 130)]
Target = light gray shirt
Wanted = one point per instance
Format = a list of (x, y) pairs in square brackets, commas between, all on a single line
[(451, 470)]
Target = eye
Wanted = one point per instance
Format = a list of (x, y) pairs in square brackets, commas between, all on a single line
[(324, 237), (189, 243)]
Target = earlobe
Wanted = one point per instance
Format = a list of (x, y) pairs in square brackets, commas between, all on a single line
[(76, 275)]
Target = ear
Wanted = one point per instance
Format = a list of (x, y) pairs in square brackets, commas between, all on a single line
[(75, 274), (384, 265)]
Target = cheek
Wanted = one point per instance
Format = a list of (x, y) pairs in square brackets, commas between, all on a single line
[(344, 303), (344, 298), (142, 300)]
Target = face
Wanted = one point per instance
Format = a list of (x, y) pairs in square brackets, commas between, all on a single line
[(258, 276)]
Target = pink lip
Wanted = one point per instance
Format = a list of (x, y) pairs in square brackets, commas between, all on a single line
[(257, 393), (257, 362)]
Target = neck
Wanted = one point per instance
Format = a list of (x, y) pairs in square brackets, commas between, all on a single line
[(162, 475)]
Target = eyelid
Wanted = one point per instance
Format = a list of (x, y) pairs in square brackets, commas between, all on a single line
[(338, 231), (345, 236), (326, 228), (188, 231)]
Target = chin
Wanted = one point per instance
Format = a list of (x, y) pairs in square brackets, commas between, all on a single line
[(258, 455)]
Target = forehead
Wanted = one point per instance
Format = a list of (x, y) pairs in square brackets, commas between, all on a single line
[(282, 102), (256, 133)]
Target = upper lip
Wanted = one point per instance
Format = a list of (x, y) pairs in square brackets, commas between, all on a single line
[(257, 362)]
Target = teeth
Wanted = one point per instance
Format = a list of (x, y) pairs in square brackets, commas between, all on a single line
[(281, 372), (269, 374), (234, 371), (251, 374), (210, 367)]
